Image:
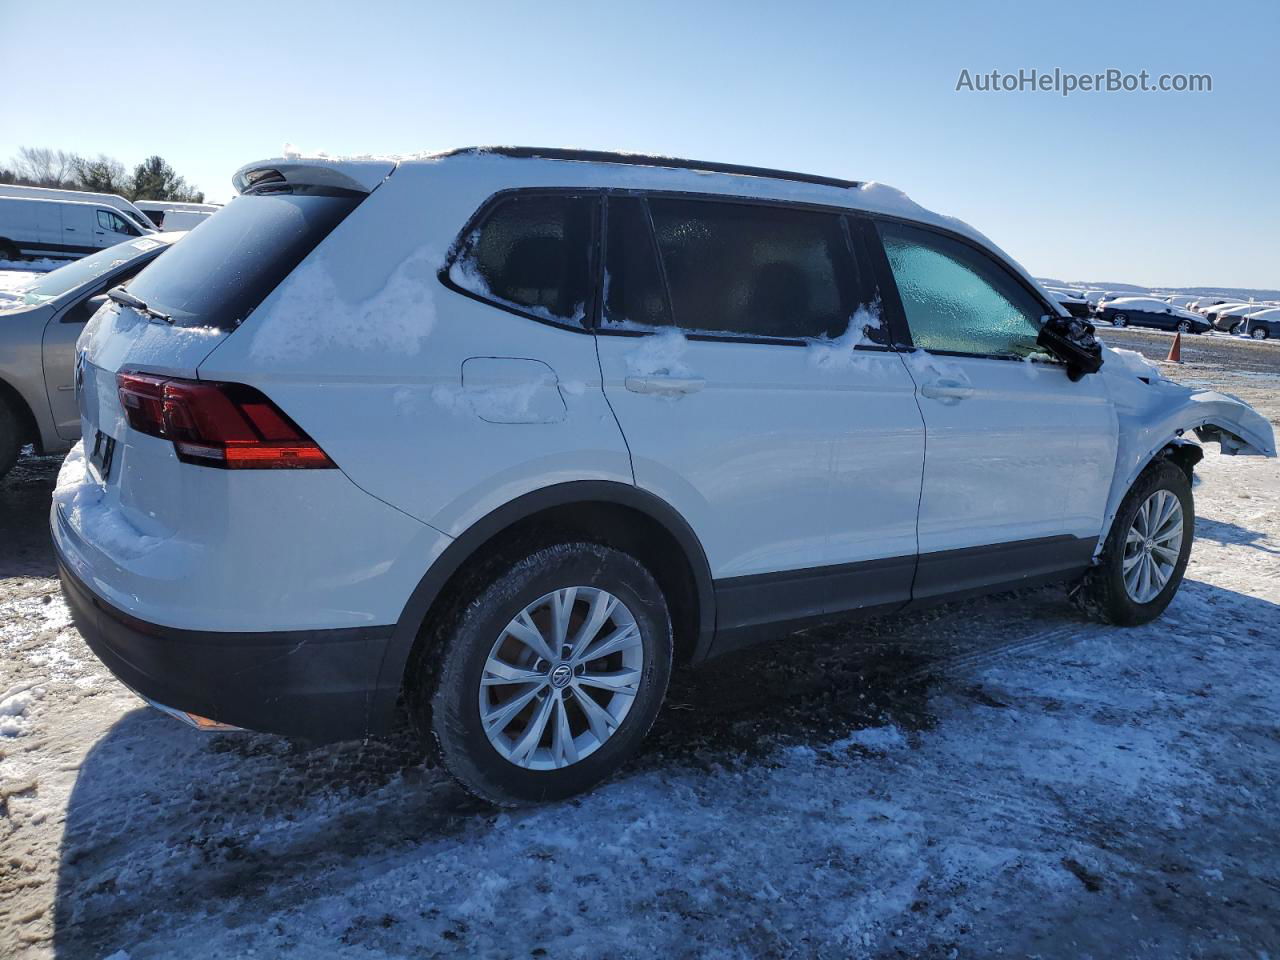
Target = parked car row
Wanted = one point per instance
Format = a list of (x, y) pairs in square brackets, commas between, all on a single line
[(1182, 313), (507, 436)]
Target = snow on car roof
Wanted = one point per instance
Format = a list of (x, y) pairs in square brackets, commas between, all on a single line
[(641, 170)]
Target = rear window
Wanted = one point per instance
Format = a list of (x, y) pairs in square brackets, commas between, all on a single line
[(532, 252), (219, 273), (754, 270)]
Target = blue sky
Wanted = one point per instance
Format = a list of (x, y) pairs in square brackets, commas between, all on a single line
[(1156, 188)]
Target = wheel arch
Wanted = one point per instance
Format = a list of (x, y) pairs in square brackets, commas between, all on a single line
[(615, 514)]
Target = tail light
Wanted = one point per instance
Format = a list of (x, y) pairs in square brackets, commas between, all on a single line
[(227, 425)]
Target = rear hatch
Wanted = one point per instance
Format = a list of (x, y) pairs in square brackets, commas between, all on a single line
[(196, 295)]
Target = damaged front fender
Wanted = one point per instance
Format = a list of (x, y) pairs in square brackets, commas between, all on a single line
[(1154, 415)]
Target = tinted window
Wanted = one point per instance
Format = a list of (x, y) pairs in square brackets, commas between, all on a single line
[(219, 273), (755, 270), (956, 299), (634, 294), (533, 252)]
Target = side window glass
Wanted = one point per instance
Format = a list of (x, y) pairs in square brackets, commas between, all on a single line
[(121, 225), (104, 220), (956, 299), (633, 291), (755, 270), (532, 252)]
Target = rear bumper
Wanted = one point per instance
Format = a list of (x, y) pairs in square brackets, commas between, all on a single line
[(313, 684)]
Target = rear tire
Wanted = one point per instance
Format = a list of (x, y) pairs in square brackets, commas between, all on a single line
[(485, 660), (10, 437), (1105, 592), (8, 251)]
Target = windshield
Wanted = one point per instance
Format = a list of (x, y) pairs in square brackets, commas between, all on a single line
[(87, 269), (224, 269)]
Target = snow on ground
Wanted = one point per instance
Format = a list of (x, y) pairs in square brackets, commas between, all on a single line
[(998, 776)]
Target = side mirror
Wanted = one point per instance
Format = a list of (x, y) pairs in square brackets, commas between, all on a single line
[(94, 304), (1072, 341)]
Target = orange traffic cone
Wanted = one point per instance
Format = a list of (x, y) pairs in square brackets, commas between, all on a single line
[(1175, 352)]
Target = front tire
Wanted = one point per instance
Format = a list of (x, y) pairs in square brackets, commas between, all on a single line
[(1119, 320), (1184, 326), (1258, 333), (550, 677), (1146, 552)]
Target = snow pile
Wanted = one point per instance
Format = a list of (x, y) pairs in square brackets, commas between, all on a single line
[(14, 704), (924, 364), (659, 354), (1134, 362), (83, 502), (838, 354), (308, 314), (877, 739), (31, 266)]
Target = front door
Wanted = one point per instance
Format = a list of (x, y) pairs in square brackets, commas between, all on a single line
[(1018, 458), (111, 228)]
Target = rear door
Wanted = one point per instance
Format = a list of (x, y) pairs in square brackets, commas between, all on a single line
[(1018, 458), (721, 355)]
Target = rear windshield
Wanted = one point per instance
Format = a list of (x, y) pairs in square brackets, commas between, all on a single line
[(226, 266), (88, 269)]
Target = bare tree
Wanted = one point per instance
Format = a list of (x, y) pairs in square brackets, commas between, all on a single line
[(43, 167)]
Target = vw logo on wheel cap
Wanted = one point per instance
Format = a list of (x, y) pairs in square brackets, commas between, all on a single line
[(561, 675)]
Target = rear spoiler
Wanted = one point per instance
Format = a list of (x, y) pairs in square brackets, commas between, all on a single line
[(362, 176)]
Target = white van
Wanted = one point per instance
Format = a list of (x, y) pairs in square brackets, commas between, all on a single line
[(158, 212), (60, 230), (119, 204)]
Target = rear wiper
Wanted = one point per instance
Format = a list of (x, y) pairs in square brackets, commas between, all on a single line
[(122, 296)]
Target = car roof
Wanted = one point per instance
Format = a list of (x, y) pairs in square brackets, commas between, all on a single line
[(607, 168)]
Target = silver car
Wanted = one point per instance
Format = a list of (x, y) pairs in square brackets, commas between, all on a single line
[(39, 326)]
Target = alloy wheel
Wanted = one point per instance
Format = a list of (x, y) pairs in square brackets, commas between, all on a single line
[(1152, 546), (560, 678)]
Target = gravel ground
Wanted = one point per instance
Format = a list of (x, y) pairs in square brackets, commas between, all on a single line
[(998, 776)]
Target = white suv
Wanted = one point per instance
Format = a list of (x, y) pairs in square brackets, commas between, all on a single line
[(504, 433)]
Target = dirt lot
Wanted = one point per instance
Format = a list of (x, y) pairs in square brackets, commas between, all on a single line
[(998, 776)]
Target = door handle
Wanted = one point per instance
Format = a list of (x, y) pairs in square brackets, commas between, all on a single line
[(946, 390), (669, 386)]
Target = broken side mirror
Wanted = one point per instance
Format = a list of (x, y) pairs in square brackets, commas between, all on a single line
[(1072, 341)]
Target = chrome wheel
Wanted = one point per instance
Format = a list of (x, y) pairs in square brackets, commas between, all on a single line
[(1119, 320), (561, 678), (1152, 546), (1258, 333)]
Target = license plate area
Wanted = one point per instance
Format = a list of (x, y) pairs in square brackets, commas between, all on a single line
[(102, 456)]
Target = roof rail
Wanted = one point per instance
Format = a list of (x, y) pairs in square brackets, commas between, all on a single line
[(645, 160)]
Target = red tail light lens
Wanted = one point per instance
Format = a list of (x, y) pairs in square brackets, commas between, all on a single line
[(227, 425)]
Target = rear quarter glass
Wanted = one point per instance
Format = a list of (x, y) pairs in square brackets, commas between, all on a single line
[(224, 269)]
